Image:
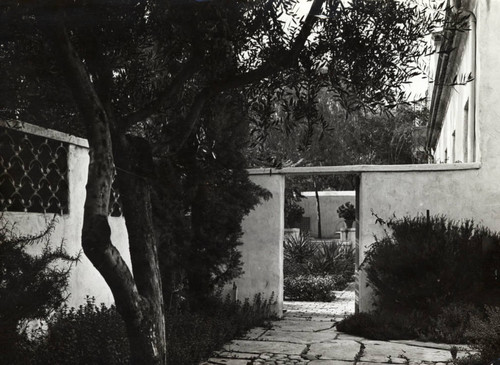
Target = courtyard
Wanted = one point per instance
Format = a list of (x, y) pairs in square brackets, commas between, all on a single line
[(152, 155)]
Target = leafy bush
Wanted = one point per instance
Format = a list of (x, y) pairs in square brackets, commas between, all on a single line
[(299, 249), (192, 337), (202, 195), (425, 265), (311, 287), (332, 258), (95, 334), (90, 334), (451, 324), (431, 279), (302, 256), (312, 271), (380, 325), (484, 334), (31, 286)]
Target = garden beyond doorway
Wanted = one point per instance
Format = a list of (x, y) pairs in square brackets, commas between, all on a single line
[(314, 269), (319, 240)]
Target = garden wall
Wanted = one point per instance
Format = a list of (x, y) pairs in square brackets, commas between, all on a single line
[(458, 194), (262, 249), (85, 279), (456, 190), (329, 203)]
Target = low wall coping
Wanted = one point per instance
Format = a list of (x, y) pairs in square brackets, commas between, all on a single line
[(327, 193), (356, 169), (44, 132)]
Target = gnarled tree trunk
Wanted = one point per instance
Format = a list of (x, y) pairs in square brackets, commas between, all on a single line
[(138, 297), (135, 164)]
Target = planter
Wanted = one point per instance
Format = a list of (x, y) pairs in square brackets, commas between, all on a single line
[(291, 232), (349, 222)]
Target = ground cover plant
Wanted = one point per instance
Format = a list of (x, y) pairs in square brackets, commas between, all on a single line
[(314, 270), (89, 334), (484, 336), (432, 278), (311, 287), (96, 334)]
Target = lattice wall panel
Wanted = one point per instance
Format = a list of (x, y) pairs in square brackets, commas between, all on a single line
[(33, 173)]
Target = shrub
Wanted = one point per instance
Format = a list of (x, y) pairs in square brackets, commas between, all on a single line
[(379, 325), (311, 287), (451, 324), (312, 271), (95, 334), (192, 337), (31, 286), (431, 277), (302, 256), (332, 258), (425, 265), (90, 334), (299, 249), (484, 334)]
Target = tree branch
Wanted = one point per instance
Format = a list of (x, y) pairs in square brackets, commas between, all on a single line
[(285, 60), (187, 71)]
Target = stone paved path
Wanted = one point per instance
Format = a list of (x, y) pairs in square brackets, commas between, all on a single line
[(307, 335)]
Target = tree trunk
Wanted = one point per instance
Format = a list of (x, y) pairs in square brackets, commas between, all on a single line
[(318, 208), (138, 298), (135, 162)]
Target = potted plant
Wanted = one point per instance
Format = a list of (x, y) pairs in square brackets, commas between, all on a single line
[(348, 213)]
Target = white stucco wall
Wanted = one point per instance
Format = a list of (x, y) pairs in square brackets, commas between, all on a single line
[(458, 138), (330, 201), (84, 278), (460, 194), (480, 57), (488, 83), (262, 249)]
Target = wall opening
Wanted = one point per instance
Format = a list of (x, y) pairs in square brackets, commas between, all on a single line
[(320, 237)]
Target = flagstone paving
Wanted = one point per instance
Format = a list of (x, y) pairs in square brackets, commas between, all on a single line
[(307, 335)]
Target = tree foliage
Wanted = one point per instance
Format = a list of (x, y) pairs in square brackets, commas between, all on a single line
[(208, 205), (31, 285)]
